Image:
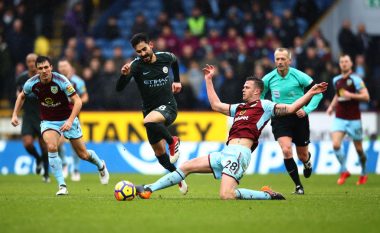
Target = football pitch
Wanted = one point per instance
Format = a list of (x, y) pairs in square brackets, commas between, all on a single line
[(28, 205)]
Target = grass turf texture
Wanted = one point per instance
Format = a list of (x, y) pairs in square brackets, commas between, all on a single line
[(28, 205)]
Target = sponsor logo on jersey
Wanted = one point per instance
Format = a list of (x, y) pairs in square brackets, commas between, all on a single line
[(165, 69), (242, 112), (156, 82), (49, 102), (145, 73), (244, 118), (54, 89)]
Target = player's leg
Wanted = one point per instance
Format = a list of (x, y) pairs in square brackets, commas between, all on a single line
[(290, 165), (197, 165), (301, 138), (62, 154), (160, 152), (27, 141), (282, 129), (51, 138), (45, 159), (355, 131), (75, 176), (155, 123), (75, 137), (337, 137), (91, 156), (363, 159)]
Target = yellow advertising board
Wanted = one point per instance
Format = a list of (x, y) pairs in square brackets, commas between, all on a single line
[(129, 127)]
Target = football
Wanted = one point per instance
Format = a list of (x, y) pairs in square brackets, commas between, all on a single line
[(125, 191)]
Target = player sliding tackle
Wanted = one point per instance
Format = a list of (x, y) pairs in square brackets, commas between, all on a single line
[(229, 164)]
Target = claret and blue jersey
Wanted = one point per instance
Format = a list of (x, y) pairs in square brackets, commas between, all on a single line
[(52, 96), (347, 108), (250, 119)]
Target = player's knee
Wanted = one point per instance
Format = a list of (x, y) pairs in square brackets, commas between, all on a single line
[(152, 130), (186, 167), (227, 195), (52, 147), (287, 151), (27, 143)]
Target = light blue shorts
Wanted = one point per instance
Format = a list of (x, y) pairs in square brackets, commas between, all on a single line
[(352, 127), (74, 133), (233, 160)]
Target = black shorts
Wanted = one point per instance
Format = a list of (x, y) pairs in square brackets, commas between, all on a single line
[(31, 126), (168, 111), (292, 126)]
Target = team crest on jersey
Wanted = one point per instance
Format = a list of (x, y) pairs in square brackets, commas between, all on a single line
[(54, 89), (165, 69), (349, 82)]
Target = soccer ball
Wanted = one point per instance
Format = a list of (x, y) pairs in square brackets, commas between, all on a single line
[(125, 191)]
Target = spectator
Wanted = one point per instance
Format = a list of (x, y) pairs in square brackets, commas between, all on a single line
[(140, 24), (111, 31), (74, 25), (347, 39), (363, 39), (197, 23)]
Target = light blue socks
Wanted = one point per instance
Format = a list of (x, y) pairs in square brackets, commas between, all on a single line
[(94, 159), (168, 180), (248, 194), (341, 158), (56, 167)]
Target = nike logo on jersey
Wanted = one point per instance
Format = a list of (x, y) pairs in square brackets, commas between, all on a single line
[(145, 73)]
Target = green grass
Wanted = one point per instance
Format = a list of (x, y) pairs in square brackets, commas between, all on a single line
[(28, 205)]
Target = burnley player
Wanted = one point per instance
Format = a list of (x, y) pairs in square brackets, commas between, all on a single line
[(350, 91), (229, 164), (151, 73), (59, 116)]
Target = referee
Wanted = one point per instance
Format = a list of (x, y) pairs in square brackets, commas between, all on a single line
[(286, 85)]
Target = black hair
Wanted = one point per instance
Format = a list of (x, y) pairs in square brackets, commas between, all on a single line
[(257, 82), (42, 59), (139, 37)]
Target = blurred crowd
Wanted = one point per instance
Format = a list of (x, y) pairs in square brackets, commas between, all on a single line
[(239, 37)]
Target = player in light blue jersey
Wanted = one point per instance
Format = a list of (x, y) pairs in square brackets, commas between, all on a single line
[(286, 85), (65, 68)]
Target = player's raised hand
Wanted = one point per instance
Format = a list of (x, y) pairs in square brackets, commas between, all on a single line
[(126, 69), (15, 122), (319, 88), (209, 71), (176, 87)]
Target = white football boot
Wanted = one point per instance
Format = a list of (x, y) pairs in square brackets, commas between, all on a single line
[(183, 187), (62, 191)]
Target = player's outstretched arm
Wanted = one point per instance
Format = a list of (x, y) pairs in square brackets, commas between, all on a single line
[(125, 77), (18, 105), (213, 98), (285, 109)]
